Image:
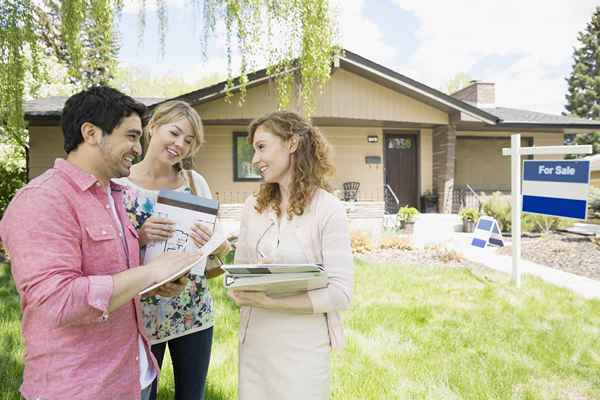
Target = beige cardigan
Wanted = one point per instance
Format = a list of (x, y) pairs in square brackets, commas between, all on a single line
[(325, 239)]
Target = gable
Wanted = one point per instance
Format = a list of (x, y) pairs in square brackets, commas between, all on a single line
[(346, 95), (260, 100)]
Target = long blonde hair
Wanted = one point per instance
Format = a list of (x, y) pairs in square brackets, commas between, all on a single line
[(311, 167), (171, 111)]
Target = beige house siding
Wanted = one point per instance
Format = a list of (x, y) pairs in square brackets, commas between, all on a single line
[(595, 179), (549, 139), (362, 99), (215, 162), (45, 145), (260, 100), (480, 163), (350, 149), (479, 159)]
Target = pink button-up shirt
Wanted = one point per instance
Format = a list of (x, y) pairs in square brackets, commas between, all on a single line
[(64, 245)]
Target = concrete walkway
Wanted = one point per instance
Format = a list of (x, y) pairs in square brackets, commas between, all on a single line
[(583, 286), (584, 229)]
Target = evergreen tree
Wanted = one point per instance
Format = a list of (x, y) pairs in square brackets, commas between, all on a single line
[(583, 98)]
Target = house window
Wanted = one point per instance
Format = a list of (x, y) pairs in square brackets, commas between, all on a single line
[(400, 143), (243, 170)]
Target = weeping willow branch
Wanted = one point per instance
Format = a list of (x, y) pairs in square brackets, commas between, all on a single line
[(293, 36), (19, 53), (78, 34)]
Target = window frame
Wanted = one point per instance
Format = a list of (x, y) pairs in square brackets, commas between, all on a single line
[(236, 177)]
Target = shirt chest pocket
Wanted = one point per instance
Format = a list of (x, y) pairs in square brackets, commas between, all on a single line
[(102, 250), (100, 233)]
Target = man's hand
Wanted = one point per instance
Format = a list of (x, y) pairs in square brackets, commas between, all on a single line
[(168, 264), (127, 284), (156, 229)]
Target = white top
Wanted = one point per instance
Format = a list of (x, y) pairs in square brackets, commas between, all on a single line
[(323, 235), (147, 371)]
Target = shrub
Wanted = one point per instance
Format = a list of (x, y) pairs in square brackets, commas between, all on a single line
[(12, 174), (469, 214), (395, 242), (499, 209), (445, 255), (543, 224), (407, 214), (450, 256), (361, 242)]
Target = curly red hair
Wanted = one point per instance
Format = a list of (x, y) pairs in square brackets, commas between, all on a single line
[(311, 167)]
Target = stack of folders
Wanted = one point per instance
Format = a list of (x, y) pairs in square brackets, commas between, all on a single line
[(275, 279)]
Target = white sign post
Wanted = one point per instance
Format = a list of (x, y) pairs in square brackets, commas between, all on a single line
[(515, 152)]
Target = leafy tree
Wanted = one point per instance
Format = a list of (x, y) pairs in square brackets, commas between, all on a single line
[(459, 81), (583, 97), (80, 34), (139, 82)]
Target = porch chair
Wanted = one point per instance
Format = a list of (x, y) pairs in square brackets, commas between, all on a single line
[(351, 190)]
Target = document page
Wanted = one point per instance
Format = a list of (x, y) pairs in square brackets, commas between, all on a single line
[(186, 210), (215, 241)]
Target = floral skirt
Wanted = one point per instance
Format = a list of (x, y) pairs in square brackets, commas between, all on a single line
[(167, 318)]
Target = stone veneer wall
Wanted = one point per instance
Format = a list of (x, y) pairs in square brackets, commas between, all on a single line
[(444, 155)]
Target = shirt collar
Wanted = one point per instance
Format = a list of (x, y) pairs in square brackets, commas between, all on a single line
[(83, 180)]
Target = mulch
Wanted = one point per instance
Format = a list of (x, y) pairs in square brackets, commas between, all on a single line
[(564, 251), (568, 252), (434, 255)]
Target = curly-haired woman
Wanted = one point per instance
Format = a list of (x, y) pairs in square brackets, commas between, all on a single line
[(285, 342)]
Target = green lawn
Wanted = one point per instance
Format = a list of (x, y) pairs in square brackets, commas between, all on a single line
[(419, 333)]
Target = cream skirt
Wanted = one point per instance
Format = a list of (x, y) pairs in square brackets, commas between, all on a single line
[(284, 356)]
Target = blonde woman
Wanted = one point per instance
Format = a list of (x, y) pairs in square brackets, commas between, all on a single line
[(285, 342), (184, 322)]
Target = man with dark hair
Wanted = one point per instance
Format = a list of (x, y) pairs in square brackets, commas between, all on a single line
[(73, 255), (103, 106)]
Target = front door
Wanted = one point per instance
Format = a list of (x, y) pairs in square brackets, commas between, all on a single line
[(401, 170)]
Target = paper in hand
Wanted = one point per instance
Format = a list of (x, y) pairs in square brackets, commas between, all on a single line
[(213, 244), (185, 209)]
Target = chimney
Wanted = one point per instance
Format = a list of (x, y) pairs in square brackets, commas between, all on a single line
[(477, 93)]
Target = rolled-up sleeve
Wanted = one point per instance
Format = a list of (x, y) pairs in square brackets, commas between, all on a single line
[(337, 260), (43, 238)]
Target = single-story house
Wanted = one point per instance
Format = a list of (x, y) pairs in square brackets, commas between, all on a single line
[(390, 133)]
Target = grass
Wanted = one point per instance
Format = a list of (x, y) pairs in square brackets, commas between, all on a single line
[(417, 333)]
